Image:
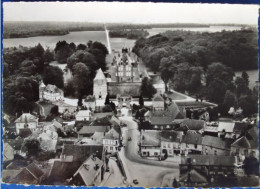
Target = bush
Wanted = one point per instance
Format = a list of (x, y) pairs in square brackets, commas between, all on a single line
[(107, 108)]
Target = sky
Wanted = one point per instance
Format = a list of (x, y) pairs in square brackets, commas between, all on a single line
[(118, 12)]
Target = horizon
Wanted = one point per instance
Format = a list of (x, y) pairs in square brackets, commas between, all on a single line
[(131, 12)]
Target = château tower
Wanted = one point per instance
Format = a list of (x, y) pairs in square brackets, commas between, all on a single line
[(100, 85)]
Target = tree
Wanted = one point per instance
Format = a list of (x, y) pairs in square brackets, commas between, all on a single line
[(5, 70), (251, 166), (220, 72), (100, 46), (245, 77), (62, 51), (48, 56), (107, 101), (216, 90), (55, 110), (81, 47), (241, 86), (53, 75), (31, 147), (147, 89), (72, 46), (168, 69), (82, 80), (141, 101), (249, 104)]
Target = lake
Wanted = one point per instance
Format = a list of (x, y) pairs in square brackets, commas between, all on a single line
[(85, 36)]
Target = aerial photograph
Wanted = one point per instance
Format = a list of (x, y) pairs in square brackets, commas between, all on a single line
[(130, 94)]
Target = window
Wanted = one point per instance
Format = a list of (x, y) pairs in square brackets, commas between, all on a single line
[(245, 152), (156, 153), (111, 148), (116, 142), (169, 145), (196, 146)]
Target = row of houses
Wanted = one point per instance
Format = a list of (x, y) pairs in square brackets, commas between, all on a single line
[(154, 143)]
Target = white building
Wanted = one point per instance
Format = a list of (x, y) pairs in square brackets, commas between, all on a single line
[(83, 115), (50, 93), (26, 120), (158, 102), (100, 85), (111, 140)]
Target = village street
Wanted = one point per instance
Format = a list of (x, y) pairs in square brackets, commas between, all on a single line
[(148, 172)]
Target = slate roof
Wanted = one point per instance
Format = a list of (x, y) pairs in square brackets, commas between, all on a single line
[(150, 138), (100, 75), (93, 129), (103, 121), (14, 143), (156, 120), (241, 142), (35, 170), (192, 138), (195, 176), (227, 126), (215, 142), (81, 152), (171, 136), (158, 97), (210, 160), (193, 124), (87, 170), (26, 116), (240, 127), (8, 175), (28, 175)]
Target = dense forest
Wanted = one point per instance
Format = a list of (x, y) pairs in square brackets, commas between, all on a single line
[(24, 68), (203, 64), (129, 34)]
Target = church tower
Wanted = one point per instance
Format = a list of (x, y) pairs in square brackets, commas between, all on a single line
[(41, 90), (100, 85)]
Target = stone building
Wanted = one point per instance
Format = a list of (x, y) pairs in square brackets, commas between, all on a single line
[(50, 93)]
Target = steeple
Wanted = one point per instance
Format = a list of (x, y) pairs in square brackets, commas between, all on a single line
[(100, 75)]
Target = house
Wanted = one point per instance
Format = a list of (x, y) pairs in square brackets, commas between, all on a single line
[(90, 173), (50, 93), (83, 115), (244, 147), (240, 128), (9, 174), (31, 174), (171, 142), (90, 103), (26, 120), (150, 145), (225, 129), (112, 140), (193, 178), (158, 102), (88, 131), (24, 133), (211, 129), (199, 167), (72, 157), (191, 143), (8, 152), (215, 146), (65, 107), (16, 145)]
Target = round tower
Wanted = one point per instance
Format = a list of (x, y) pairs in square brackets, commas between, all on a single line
[(41, 90)]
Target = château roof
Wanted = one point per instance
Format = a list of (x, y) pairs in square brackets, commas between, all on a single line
[(26, 117), (158, 97), (100, 75)]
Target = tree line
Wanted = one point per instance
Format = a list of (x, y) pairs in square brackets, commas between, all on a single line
[(24, 68), (203, 64)]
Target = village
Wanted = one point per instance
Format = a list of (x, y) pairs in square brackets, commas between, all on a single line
[(116, 134)]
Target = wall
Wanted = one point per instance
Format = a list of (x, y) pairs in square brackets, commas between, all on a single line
[(211, 151), (151, 150), (124, 89)]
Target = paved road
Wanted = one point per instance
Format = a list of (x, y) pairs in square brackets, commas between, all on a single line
[(131, 147), (149, 173)]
